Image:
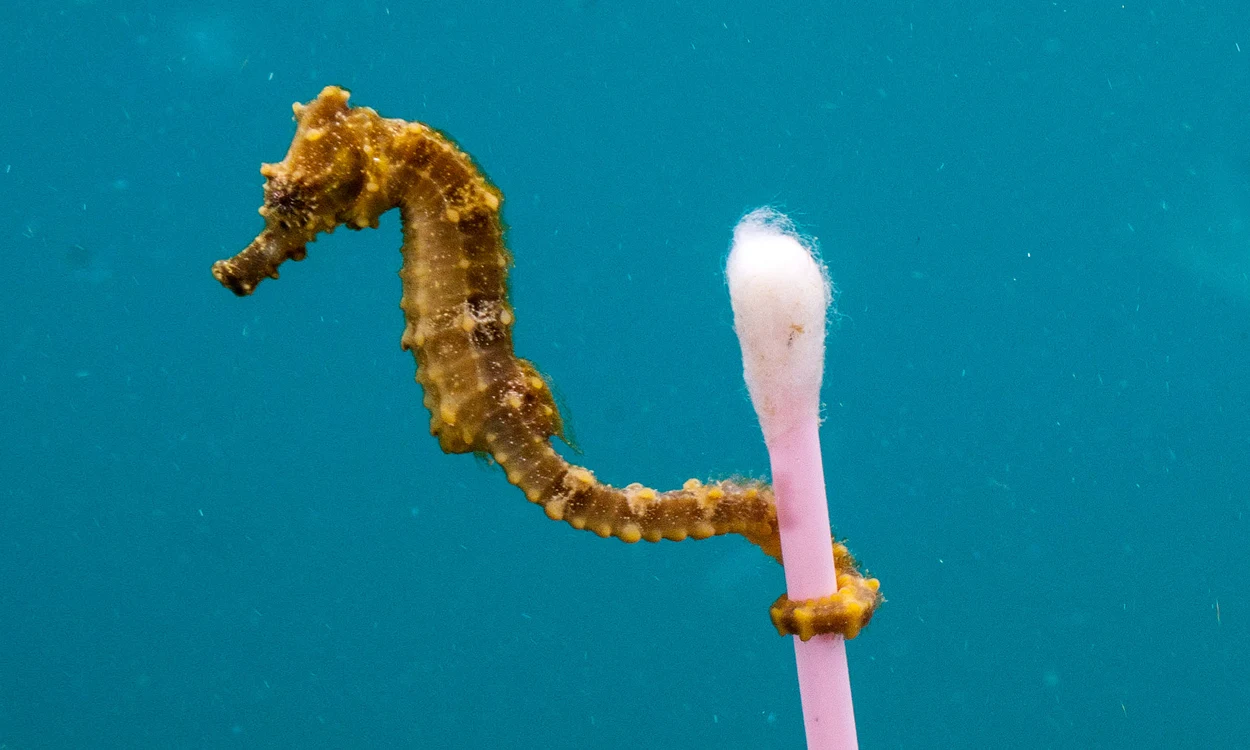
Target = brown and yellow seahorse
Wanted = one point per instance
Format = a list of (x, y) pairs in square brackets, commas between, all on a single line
[(348, 166)]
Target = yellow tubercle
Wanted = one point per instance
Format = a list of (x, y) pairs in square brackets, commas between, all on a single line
[(582, 476), (555, 508), (702, 530)]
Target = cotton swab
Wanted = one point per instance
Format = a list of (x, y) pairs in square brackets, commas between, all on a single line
[(780, 295)]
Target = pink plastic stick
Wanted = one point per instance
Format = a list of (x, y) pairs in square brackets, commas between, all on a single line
[(780, 298), (824, 682)]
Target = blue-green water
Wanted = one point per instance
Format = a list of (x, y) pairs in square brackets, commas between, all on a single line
[(222, 522)]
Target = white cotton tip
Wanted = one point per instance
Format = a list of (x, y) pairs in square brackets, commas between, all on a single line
[(780, 294)]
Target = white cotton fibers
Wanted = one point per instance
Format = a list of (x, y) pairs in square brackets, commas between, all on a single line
[(780, 294)]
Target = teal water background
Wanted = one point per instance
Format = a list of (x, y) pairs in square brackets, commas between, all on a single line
[(223, 522)]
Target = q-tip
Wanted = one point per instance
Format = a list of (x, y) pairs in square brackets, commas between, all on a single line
[(780, 294)]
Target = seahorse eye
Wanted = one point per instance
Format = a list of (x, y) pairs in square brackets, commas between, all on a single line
[(285, 205)]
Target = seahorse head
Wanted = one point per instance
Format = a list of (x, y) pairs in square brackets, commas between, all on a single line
[(319, 182)]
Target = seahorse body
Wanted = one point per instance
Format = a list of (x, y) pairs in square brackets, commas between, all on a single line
[(348, 166)]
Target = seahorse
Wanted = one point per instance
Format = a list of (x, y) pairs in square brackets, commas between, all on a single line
[(347, 166)]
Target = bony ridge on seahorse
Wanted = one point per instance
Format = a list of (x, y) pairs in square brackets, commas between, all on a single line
[(348, 166)]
